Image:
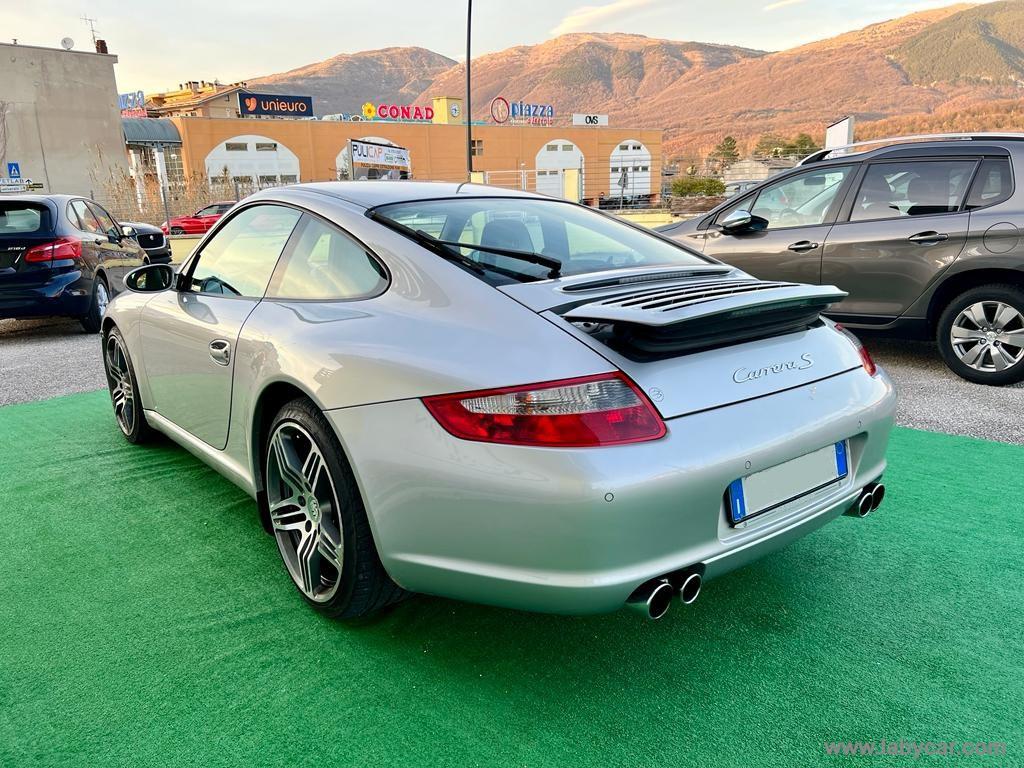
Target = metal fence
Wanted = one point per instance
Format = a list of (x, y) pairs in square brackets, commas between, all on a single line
[(625, 181), (145, 199)]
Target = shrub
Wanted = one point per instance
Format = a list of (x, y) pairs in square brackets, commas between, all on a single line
[(697, 186)]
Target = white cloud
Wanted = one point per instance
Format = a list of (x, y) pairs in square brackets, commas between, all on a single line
[(588, 17), (781, 4)]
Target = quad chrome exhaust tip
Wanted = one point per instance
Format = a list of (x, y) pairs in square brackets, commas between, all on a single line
[(652, 599), (869, 500), (689, 588)]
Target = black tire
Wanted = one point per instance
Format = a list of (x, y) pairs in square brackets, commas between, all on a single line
[(177, 231), (362, 586), (93, 319), (135, 429), (1009, 295)]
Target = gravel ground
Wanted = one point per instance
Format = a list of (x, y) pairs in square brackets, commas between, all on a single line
[(46, 358)]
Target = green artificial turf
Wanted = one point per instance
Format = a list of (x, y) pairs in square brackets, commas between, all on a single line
[(145, 619)]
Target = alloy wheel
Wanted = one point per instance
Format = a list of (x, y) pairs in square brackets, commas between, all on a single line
[(304, 511), (102, 299), (122, 393), (988, 336)]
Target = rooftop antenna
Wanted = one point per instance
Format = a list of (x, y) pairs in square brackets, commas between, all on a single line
[(92, 28)]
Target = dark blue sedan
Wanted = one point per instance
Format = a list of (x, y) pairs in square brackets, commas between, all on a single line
[(61, 256)]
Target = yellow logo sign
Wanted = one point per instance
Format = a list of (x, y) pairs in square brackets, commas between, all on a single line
[(369, 111)]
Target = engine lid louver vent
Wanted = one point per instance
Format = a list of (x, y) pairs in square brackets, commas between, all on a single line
[(735, 299)]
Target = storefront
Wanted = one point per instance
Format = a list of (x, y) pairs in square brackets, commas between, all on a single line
[(532, 155)]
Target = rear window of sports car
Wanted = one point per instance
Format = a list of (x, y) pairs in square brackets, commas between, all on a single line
[(583, 240)]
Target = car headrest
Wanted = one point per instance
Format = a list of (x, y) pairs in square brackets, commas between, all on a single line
[(507, 233), (927, 196)]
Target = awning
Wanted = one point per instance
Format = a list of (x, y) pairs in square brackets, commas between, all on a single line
[(149, 131)]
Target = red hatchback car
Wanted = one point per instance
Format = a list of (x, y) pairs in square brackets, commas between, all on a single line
[(199, 222)]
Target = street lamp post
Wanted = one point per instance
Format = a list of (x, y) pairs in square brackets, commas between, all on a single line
[(469, 99)]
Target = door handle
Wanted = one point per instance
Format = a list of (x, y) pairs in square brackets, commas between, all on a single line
[(928, 237), (220, 351), (803, 245)]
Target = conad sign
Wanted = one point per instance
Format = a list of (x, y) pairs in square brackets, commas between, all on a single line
[(404, 112)]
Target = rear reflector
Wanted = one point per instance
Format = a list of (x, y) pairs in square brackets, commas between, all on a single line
[(607, 409), (865, 356), (61, 248)]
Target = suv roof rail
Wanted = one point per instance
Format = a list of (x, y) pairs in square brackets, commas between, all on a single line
[(823, 154)]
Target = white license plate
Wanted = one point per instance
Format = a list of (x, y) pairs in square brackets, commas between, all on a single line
[(778, 485)]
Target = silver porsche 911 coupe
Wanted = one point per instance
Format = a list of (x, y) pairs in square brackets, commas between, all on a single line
[(496, 396)]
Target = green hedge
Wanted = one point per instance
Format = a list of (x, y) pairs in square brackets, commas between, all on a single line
[(697, 186)]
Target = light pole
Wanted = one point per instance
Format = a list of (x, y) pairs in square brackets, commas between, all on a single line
[(469, 97)]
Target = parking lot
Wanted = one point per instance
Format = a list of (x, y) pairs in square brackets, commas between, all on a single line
[(40, 359), (145, 605)]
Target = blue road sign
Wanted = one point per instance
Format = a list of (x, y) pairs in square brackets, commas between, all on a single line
[(14, 170)]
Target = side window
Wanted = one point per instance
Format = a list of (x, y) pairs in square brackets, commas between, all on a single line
[(104, 218), (992, 185), (87, 221), (210, 210), (240, 258), (802, 200), (325, 264), (921, 188)]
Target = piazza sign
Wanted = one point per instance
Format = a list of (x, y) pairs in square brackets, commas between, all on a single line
[(521, 112)]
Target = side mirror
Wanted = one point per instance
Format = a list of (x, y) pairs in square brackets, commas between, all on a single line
[(741, 221), (151, 278), (128, 231)]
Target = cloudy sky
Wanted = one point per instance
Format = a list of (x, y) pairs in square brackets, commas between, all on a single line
[(161, 43)]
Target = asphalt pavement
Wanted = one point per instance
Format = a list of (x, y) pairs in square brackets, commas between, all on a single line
[(40, 359)]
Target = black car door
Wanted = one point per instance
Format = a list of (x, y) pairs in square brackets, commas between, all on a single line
[(122, 253), (799, 209)]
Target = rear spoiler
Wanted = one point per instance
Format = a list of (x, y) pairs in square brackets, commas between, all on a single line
[(685, 318), (689, 303)]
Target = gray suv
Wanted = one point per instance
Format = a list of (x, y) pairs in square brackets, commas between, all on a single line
[(924, 233)]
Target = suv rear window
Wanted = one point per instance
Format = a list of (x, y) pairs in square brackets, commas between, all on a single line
[(23, 218), (992, 184)]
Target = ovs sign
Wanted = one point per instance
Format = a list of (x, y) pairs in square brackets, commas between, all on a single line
[(397, 112)]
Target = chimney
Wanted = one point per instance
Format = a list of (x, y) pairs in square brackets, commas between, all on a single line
[(101, 46)]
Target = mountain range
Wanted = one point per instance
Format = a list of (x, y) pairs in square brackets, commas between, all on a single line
[(955, 68)]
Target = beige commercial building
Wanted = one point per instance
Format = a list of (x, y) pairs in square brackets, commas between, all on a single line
[(609, 161)]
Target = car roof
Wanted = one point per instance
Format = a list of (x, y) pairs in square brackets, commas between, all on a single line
[(370, 194), (42, 198), (979, 146)]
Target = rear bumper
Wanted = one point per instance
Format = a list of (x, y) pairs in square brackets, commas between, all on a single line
[(576, 531), (67, 294)]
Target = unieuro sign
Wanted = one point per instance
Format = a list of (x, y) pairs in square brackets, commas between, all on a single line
[(273, 105), (397, 112), (521, 113)]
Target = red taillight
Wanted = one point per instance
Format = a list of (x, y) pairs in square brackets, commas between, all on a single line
[(607, 409), (61, 248), (865, 356)]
